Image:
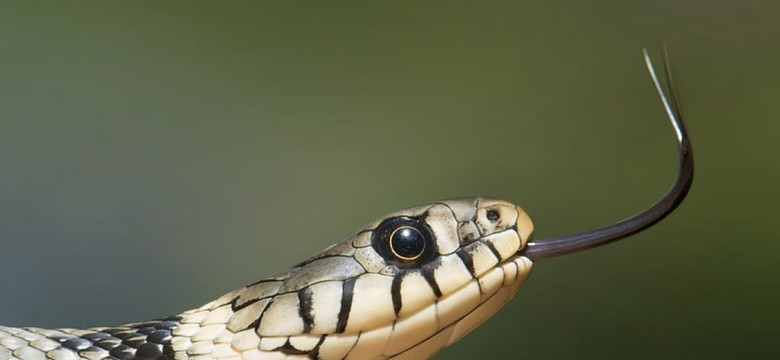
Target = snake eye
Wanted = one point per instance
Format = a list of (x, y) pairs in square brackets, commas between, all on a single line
[(404, 241)]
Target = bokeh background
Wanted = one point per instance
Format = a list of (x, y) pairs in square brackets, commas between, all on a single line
[(156, 155)]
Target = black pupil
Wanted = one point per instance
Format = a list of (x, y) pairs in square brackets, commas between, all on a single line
[(492, 215), (407, 242)]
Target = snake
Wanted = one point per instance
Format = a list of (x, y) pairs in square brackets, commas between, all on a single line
[(402, 288)]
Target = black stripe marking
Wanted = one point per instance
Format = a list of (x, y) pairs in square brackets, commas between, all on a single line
[(425, 214), (347, 292), (122, 352), (314, 354), (256, 324), (168, 352), (467, 260), (261, 281), (305, 309), (149, 351), (311, 260), (395, 291), (288, 349), (493, 250), (234, 304), (427, 273)]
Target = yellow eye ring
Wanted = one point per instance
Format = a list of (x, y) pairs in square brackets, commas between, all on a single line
[(406, 243)]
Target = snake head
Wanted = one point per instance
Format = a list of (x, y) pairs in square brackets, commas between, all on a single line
[(405, 286)]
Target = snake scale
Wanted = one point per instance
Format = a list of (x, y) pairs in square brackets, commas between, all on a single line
[(402, 288)]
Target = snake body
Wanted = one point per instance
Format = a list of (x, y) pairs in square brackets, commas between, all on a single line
[(367, 297)]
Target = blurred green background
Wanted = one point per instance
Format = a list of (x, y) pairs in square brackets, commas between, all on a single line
[(156, 155)]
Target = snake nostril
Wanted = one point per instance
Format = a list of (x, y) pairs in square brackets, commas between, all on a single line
[(492, 215)]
